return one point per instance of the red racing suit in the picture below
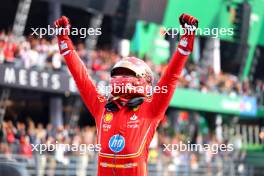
(125, 135)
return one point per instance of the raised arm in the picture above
(92, 99)
(160, 101)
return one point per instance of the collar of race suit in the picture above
(116, 103)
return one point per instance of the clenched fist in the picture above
(63, 26)
(62, 22)
(189, 24)
(187, 20)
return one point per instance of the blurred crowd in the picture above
(42, 53)
(20, 138)
(204, 79)
(185, 161)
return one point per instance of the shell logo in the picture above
(108, 117)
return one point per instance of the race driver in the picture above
(126, 121)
